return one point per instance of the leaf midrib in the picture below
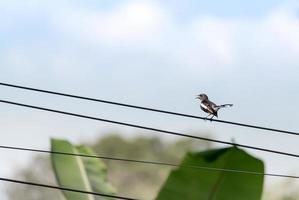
(84, 174)
(219, 179)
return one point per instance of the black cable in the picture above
(63, 188)
(151, 129)
(149, 109)
(148, 162)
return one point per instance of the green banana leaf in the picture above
(199, 184)
(80, 173)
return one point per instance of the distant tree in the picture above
(145, 180)
(286, 189)
(39, 170)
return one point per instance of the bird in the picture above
(210, 107)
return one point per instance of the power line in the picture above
(151, 129)
(63, 188)
(149, 109)
(149, 162)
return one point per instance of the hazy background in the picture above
(151, 53)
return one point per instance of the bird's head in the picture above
(202, 97)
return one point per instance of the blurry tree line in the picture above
(131, 179)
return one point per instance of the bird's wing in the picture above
(212, 104)
(208, 107)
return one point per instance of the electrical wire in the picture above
(64, 188)
(149, 109)
(152, 129)
(149, 162)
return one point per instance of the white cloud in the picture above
(284, 25)
(149, 30)
(16, 5)
(208, 42)
(146, 25)
(201, 43)
(126, 23)
(216, 36)
(269, 42)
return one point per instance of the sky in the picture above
(157, 54)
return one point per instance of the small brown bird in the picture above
(209, 107)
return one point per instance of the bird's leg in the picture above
(212, 117)
(207, 117)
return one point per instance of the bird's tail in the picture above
(224, 106)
